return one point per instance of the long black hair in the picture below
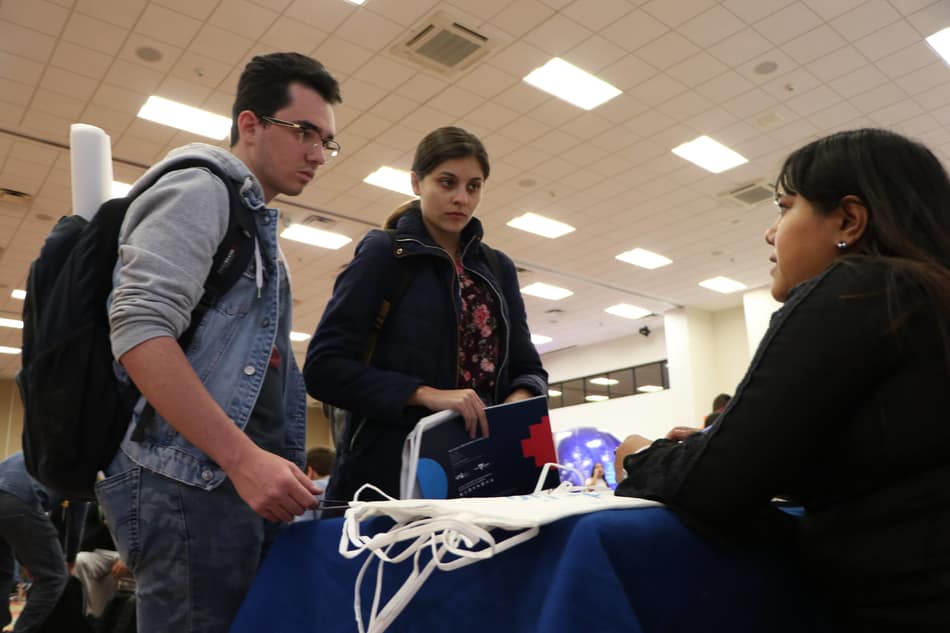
(907, 195)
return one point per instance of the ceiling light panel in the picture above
(540, 225)
(546, 291)
(315, 237)
(627, 311)
(644, 258)
(392, 179)
(940, 42)
(568, 82)
(710, 155)
(723, 285)
(187, 118)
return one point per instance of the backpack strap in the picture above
(228, 264)
(390, 299)
(491, 256)
(403, 278)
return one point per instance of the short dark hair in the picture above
(720, 401)
(321, 459)
(264, 85)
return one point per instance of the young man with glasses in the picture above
(196, 493)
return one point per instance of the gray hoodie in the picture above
(167, 243)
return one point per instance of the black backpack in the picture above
(76, 410)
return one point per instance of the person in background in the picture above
(319, 465)
(458, 338)
(718, 406)
(194, 503)
(98, 566)
(597, 477)
(844, 406)
(27, 533)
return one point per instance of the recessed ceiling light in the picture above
(627, 311)
(540, 339)
(299, 336)
(546, 291)
(315, 237)
(649, 388)
(358, 2)
(120, 189)
(644, 258)
(554, 393)
(723, 285)
(187, 118)
(18, 294)
(596, 398)
(709, 154)
(940, 41)
(540, 225)
(9, 350)
(14, 323)
(606, 382)
(393, 179)
(567, 81)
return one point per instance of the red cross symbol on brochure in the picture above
(540, 445)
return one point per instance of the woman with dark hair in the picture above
(844, 407)
(454, 332)
(597, 479)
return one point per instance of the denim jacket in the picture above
(166, 246)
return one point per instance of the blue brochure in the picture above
(440, 460)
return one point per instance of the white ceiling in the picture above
(686, 67)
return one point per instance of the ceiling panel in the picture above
(763, 76)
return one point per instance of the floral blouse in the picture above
(478, 335)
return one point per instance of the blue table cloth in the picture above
(618, 570)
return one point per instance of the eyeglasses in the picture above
(307, 135)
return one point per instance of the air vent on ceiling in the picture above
(14, 197)
(442, 44)
(751, 194)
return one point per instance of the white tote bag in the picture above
(456, 532)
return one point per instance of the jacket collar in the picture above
(410, 225)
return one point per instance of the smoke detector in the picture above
(442, 44)
(750, 195)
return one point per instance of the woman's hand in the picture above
(680, 433)
(465, 402)
(631, 444)
(519, 394)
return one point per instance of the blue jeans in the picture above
(193, 553)
(26, 531)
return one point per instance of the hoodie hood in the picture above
(231, 164)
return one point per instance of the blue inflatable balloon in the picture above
(583, 447)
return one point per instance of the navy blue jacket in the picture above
(418, 344)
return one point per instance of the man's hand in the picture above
(465, 402)
(273, 486)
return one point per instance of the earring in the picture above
(842, 245)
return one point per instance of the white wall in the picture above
(648, 414)
(627, 351)
(758, 306)
(706, 355)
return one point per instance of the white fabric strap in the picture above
(456, 532)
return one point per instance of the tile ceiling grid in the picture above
(686, 67)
